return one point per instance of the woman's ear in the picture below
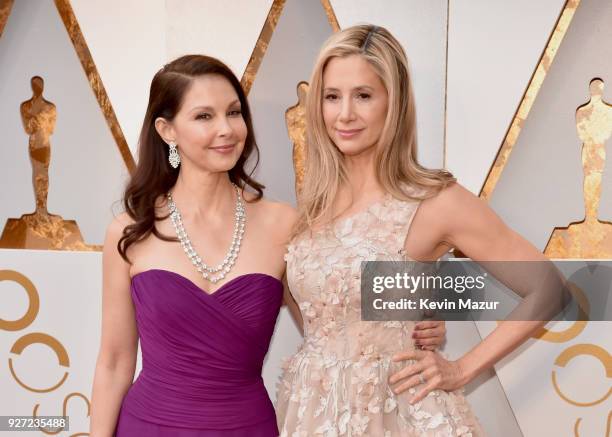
(164, 129)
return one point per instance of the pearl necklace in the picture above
(212, 274)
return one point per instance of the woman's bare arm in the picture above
(466, 222)
(285, 223)
(292, 306)
(119, 343)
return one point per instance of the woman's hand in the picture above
(428, 369)
(429, 335)
(481, 235)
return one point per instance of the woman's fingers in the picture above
(410, 354)
(429, 335)
(430, 370)
(425, 333)
(406, 372)
(431, 341)
(437, 333)
(428, 324)
(422, 377)
(421, 393)
(430, 331)
(424, 360)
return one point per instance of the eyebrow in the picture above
(357, 88)
(210, 108)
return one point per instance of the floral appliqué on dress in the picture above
(336, 384)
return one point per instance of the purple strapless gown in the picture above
(202, 356)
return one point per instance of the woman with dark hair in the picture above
(204, 314)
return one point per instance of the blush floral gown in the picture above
(336, 384)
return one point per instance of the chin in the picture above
(352, 149)
(226, 165)
(224, 162)
(219, 165)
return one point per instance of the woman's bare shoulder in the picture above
(276, 205)
(454, 198)
(116, 227)
(278, 211)
(277, 217)
(456, 210)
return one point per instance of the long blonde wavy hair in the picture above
(397, 169)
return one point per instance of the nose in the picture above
(224, 127)
(346, 111)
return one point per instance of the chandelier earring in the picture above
(173, 156)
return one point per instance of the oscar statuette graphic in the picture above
(591, 237)
(295, 118)
(40, 229)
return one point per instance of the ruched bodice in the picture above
(202, 354)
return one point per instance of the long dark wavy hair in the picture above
(153, 176)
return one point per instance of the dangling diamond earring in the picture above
(174, 157)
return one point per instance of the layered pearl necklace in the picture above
(212, 274)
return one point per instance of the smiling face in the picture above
(354, 104)
(208, 129)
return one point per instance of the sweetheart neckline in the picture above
(186, 279)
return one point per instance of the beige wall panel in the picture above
(226, 30)
(541, 185)
(127, 41)
(494, 48)
(68, 287)
(526, 376)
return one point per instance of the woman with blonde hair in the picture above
(365, 197)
